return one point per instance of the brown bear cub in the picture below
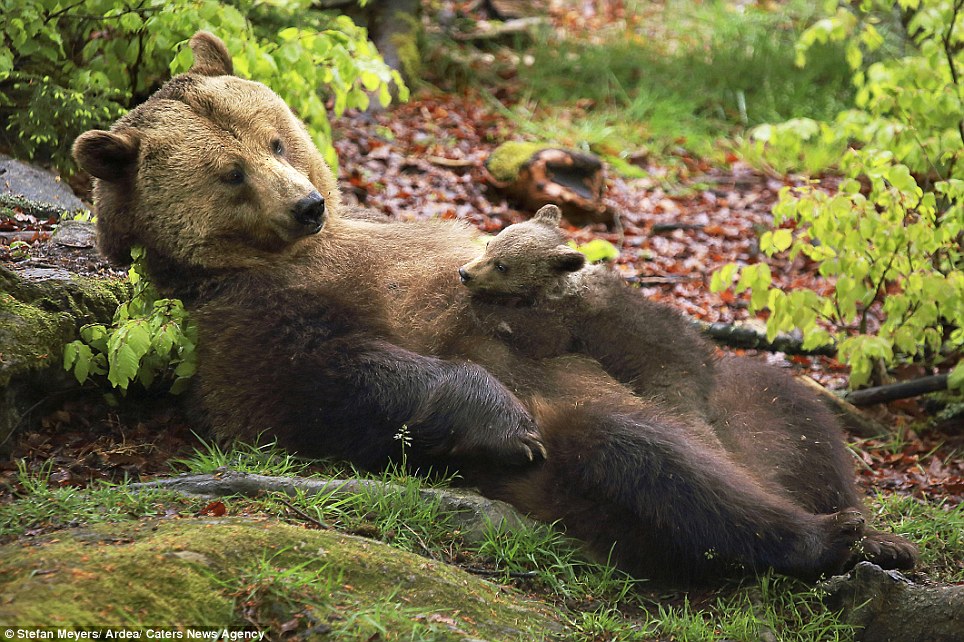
(333, 333)
(536, 293)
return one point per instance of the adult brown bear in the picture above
(333, 334)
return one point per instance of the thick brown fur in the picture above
(335, 334)
(537, 294)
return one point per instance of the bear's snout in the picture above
(310, 211)
(464, 275)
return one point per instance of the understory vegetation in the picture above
(593, 601)
(869, 129)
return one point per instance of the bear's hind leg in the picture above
(694, 510)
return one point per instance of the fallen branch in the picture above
(853, 419)
(472, 513)
(736, 336)
(894, 391)
(495, 30)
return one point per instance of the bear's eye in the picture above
(277, 147)
(233, 177)
(500, 267)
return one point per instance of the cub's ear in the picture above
(567, 259)
(548, 215)
(108, 156)
(211, 57)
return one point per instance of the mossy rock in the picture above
(226, 572)
(40, 311)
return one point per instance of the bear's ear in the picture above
(211, 57)
(548, 215)
(108, 156)
(566, 259)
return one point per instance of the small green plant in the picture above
(889, 239)
(261, 459)
(19, 250)
(150, 339)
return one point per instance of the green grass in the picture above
(42, 506)
(262, 459)
(937, 529)
(714, 72)
(598, 602)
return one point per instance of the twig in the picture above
(894, 391)
(745, 337)
(320, 524)
(454, 163)
(659, 228)
(474, 570)
(946, 41)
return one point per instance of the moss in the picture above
(506, 160)
(178, 572)
(38, 318)
(406, 43)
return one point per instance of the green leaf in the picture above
(955, 380)
(598, 250)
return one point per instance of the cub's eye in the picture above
(277, 146)
(500, 267)
(233, 177)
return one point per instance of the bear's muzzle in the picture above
(310, 212)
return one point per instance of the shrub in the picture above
(66, 67)
(890, 237)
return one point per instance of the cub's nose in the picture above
(310, 210)
(464, 276)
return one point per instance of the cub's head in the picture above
(524, 259)
(211, 172)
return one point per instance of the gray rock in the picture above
(887, 607)
(75, 234)
(17, 177)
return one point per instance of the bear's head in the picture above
(212, 172)
(523, 260)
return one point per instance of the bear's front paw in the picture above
(842, 532)
(528, 443)
(886, 550)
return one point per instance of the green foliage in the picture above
(889, 239)
(66, 67)
(150, 339)
(597, 250)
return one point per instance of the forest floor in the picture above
(686, 217)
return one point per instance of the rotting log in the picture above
(537, 174)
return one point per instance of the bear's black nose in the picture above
(464, 276)
(310, 210)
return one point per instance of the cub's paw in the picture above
(886, 550)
